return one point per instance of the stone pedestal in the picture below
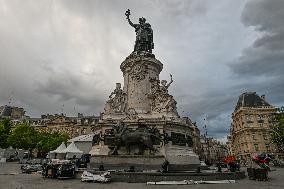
(181, 158)
(148, 112)
(175, 145)
(121, 162)
(138, 72)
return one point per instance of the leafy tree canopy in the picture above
(277, 130)
(24, 136)
(50, 141)
(5, 129)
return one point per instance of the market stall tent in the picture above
(72, 151)
(58, 152)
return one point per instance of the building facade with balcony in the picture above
(250, 128)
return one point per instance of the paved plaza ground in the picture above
(10, 178)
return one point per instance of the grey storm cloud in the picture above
(262, 63)
(69, 52)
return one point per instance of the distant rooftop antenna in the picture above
(10, 98)
(62, 109)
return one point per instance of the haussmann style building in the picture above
(72, 126)
(250, 128)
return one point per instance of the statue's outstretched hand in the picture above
(127, 13)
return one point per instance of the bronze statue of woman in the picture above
(144, 34)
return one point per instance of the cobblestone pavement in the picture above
(10, 178)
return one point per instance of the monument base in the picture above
(143, 177)
(137, 177)
(181, 158)
(175, 147)
(143, 163)
(124, 162)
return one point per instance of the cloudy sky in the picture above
(55, 52)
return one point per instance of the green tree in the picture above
(277, 129)
(24, 136)
(50, 141)
(5, 129)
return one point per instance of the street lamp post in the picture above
(206, 139)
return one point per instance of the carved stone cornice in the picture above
(128, 63)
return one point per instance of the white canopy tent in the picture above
(72, 151)
(58, 152)
(59, 149)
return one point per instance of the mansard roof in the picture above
(251, 99)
